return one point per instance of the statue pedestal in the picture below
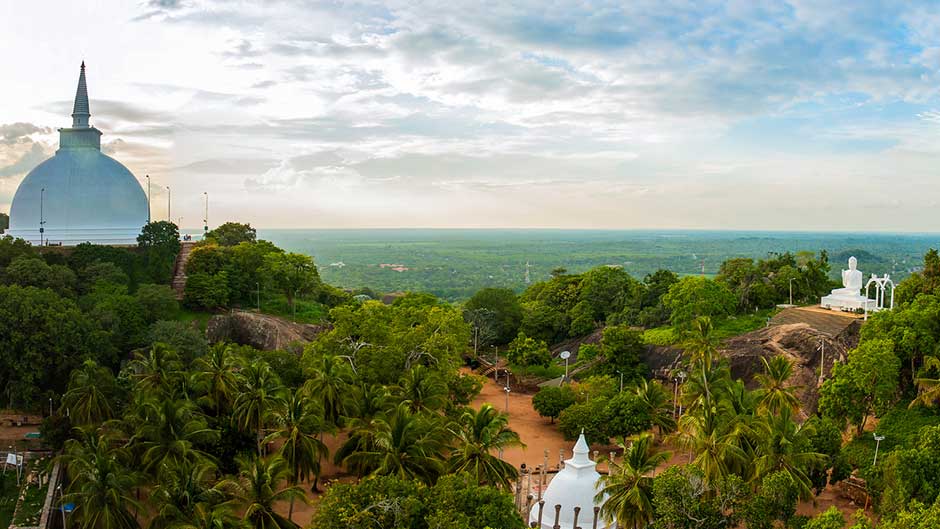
(848, 302)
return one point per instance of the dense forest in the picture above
(159, 428)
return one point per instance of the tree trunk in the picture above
(290, 510)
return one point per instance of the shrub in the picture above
(525, 351)
(587, 416)
(626, 415)
(551, 401)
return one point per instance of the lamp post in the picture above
(791, 291)
(205, 219)
(565, 355)
(878, 440)
(169, 196)
(50, 406)
(42, 219)
(507, 390)
(621, 380)
(148, 199)
(496, 365)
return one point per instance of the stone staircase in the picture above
(179, 268)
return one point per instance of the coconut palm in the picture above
(370, 401)
(782, 447)
(259, 486)
(774, 394)
(422, 389)
(88, 395)
(166, 432)
(329, 382)
(403, 444)
(477, 434)
(626, 491)
(259, 392)
(658, 403)
(701, 347)
(157, 371)
(183, 498)
(712, 436)
(215, 378)
(102, 484)
(299, 422)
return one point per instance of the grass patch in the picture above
(548, 373)
(900, 426)
(304, 311)
(31, 508)
(662, 336)
(742, 323)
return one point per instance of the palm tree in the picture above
(101, 483)
(658, 403)
(929, 388)
(157, 371)
(260, 392)
(627, 490)
(713, 437)
(215, 377)
(477, 435)
(370, 401)
(403, 444)
(258, 488)
(167, 432)
(299, 424)
(422, 389)
(183, 498)
(329, 382)
(783, 448)
(701, 347)
(774, 394)
(87, 397)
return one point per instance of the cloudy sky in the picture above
(642, 114)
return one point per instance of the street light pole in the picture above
(621, 380)
(205, 220)
(791, 291)
(169, 197)
(496, 368)
(42, 219)
(878, 440)
(565, 355)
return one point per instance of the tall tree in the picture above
(867, 382)
(258, 487)
(626, 491)
(101, 483)
(477, 434)
(298, 424)
(405, 444)
(260, 392)
(774, 394)
(291, 273)
(90, 393)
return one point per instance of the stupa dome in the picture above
(80, 194)
(574, 486)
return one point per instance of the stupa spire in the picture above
(80, 112)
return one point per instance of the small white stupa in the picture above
(574, 486)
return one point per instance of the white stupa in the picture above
(574, 486)
(80, 194)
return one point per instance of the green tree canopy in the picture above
(232, 233)
(694, 296)
(505, 307)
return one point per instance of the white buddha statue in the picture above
(850, 296)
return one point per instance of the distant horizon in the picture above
(650, 230)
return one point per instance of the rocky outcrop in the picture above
(807, 347)
(261, 331)
(804, 344)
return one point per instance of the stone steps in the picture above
(179, 268)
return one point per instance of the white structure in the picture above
(850, 298)
(574, 486)
(80, 194)
(881, 289)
